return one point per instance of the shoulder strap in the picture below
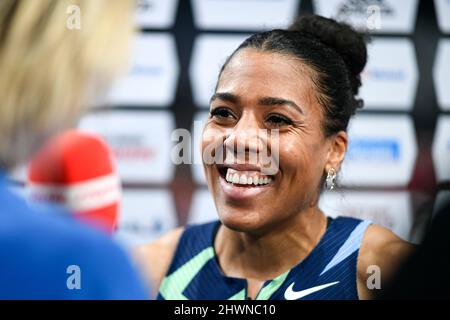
(351, 231)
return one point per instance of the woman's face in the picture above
(258, 95)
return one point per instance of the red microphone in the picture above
(77, 170)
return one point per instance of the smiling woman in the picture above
(288, 94)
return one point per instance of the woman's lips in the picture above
(244, 185)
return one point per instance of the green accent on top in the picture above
(238, 296)
(173, 285)
(267, 291)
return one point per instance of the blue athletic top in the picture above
(328, 272)
(40, 244)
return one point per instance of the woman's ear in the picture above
(337, 150)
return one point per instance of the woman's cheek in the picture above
(291, 155)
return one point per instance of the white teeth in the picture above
(233, 176)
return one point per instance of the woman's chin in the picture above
(241, 222)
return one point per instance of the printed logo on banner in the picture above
(391, 210)
(145, 216)
(390, 78)
(141, 143)
(373, 150)
(156, 13)
(197, 129)
(209, 54)
(244, 14)
(443, 14)
(441, 149)
(203, 209)
(153, 74)
(441, 74)
(382, 151)
(387, 16)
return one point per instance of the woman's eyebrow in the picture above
(265, 101)
(272, 101)
(225, 96)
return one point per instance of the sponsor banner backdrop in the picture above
(382, 151)
(390, 77)
(145, 216)
(387, 16)
(153, 74)
(244, 14)
(441, 149)
(156, 13)
(443, 14)
(179, 51)
(141, 143)
(391, 210)
(441, 74)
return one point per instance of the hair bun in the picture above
(348, 43)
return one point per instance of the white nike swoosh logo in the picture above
(290, 294)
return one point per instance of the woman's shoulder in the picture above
(381, 251)
(378, 243)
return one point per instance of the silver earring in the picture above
(330, 182)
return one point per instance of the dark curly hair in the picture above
(335, 52)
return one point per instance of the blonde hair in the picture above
(51, 68)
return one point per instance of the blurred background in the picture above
(399, 156)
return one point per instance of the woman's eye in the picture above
(221, 113)
(278, 120)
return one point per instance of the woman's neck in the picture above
(266, 256)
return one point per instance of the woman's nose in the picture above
(245, 137)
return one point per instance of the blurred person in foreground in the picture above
(48, 73)
(271, 240)
(424, 275)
